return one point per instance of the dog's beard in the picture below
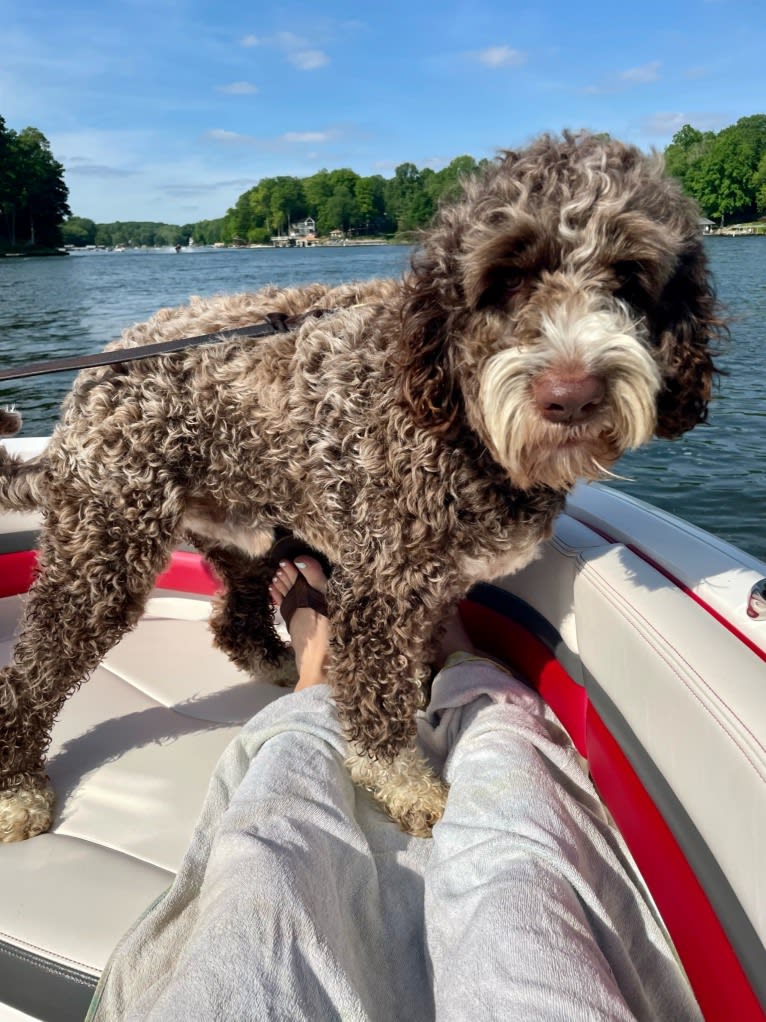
(536, 452)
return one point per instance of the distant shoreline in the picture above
(27, 252)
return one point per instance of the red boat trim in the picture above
(190, 573)
(187, 572)
(720, 983)
(684, 588)
(17, 570)
(485, 613)
(668, 849)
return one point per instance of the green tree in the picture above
(447, 183)
(407, 200)
(33, 195)
(369, 193)
(287, 203)
(7, 179)
(78, 230)
(338, 212)
(721, 170)
(239, 220)
(41, 189)
(724, 179)
(205, 232)
(759, 182)
(317, 189)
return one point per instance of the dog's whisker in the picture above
(609, 474)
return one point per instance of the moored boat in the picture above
(633, 625)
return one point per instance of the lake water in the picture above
(714, 476)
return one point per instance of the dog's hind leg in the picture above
(97, 566)
(243, 618)
(380, 647)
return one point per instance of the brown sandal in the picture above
(301, 594)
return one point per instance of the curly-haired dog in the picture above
(423, 435)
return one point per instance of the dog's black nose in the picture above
(568, 399)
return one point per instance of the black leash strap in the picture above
(276, 323)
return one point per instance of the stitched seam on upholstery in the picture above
(636, 613)
(674, 670)
(58, 968)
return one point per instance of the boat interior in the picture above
(632, 625)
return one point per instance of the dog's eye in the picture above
(513, 284)
(631, 283)
(501, 290)
(626, 272)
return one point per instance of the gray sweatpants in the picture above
(299, 900)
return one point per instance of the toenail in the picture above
(300, 564)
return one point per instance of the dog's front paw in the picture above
(26, 811)
(407, 788)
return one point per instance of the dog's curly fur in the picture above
(403, 434)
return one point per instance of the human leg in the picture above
(297, 899)
(534, 908)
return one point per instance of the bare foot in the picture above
(309, 631)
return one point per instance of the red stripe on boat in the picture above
(718, 980)
(190, 573)
(187, 572)
(503, 637)
(16, 572)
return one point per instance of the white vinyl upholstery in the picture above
(694, 697)
(130, 762)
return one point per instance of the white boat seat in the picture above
(130, 761)
(686, 700)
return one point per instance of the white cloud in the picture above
(275, 144)
(501, 56)
(308, 60)
(221, 135)
(667, 123)
(307, 136)
(297, 49)
(238, 89)
(290, 41)
(642, 75)
(78, 165)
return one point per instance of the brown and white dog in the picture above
(423, 435)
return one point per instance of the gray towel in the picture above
(298, 900)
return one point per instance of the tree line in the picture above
(724, 171)
(335, 199)
(344, 200)
(81, 231)
(33, 194)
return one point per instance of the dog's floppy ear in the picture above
(428, 388)
(687, 326)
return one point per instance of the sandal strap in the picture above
(302, 595)
(289, 547)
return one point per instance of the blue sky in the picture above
(169, 109)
